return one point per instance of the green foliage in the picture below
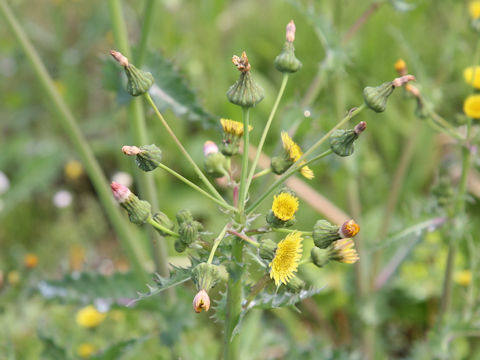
(115, 351)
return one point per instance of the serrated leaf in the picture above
(85, 288)
(271, 301)
(113, 352)
(220, 307)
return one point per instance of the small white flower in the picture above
(62, 199)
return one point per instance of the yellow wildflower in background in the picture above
(463, 278)
(294, 153)
(90, 317)
(284, 206)
(474, 9)
(468, 76)
(288, 254)
(400, 67)
(13, 277)
(471, 106)
(233, 127)
(30, 261)
(73, 170)
(85, 350)
(342, 251)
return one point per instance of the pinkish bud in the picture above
(290, 34)
(130, 150)
(360, 127)
(201, 301)
(209, 148)
(120, 192)
(122, 60)
(349, 229)
(402, 80)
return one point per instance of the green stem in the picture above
(246, 145)
(147, 25)
(244, 237)
(265, 130)
(182, 149)
(307, 260)
(129, 243)
(139, 134)
(283, 230)
(234, 302)
(262, 173)
(298, 163)
(318, 157)
(194, 186)
(217, 242)
(162, 228)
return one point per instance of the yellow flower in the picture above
(13, 277)
(294, 153)
(468, 76)
(233, 127)
(284, 206)
(73, 170)
(90, 317)
(342, 251)
(463, 278)
(474, 9)
(85, 350)
(30, 261)
(400, 67)
(287, 256)
(471, 106)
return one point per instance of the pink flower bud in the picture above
(360, 127)
(201, 301)
(402, 80)
(120, 192)
(290, 34)
(130, 150)
(122, 60)
(209, 148)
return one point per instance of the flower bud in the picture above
(324, 233)
(139, 81)
(184, 216)
(148, 156)
(232, 135)
(286, 62)
(201, 301)
(138, 210)
(376, 97)
(180, 246)
(267, 249)
(188, 232)
(245, 92)
(295, 284)
(215, 163)
(349, 229)
(342, 251)
(205, 276)
(163, 220)
(319, 256)
(341, 141)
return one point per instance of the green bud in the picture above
(245, 92)
(148, 157)
(163, 220)
(320, 257)
(341, 141)
(139, 81)
(184, 216)
(267, 249)
(286, 62)
(215, 163)
(295, 284)
(179, 246)
(139, 211)
(376, 97)
(205, 276)
(280, 164)
(324, 233)
(276, 222)
(188, 232)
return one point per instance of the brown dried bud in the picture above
(241, 62)
(131, 150)
(402, 80)
(360, 127)
(349, 229)
(290, 34)
(201, 301)
(122, 60)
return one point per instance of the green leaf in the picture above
(51, 350)
(85, 288)
(271, 301)
(170, 91)
(113, 352)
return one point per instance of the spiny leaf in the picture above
(116, 350)
(220, 307)
(270, 301)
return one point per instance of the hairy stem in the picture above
(246, 144)
(217, 242)
(162, 228)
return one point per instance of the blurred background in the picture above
(60, 254)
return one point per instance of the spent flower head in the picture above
(287, 256)
(201, 301)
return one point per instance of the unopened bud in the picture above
(139, 211)
(209, 148)
(376, 97)
(139, 81)
(319, 256)
(402, 80)
(245, 92)
(324, 233)
(342, 141)
(184, 216)
(215, 163)
(163, 220)
(122, 60)
(201, 301)
(205, 276)
(120, 192)
(290, 32)
(286, 62)
(180, 246)
(360, 127)
(349, 229)
(130, 150)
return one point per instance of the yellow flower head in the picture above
(85, 350)
(73, 170)
(474, 9)
(471, 106)
(287, 256)
(90, 317)
(463, 278)
(400, 67)
(30, 261)
(470, 79)
(342, 251)
(294, 153)
(284, 206)
(233, 127)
